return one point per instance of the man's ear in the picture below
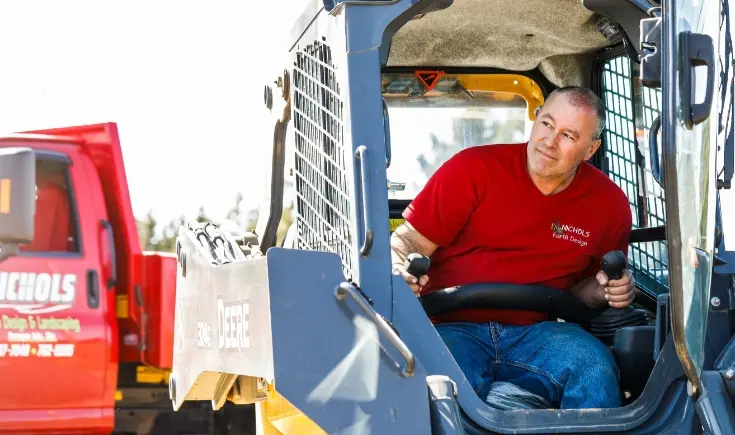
(593, 149)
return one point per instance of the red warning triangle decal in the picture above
(429, 78)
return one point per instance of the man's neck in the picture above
(552, 185)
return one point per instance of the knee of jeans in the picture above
(589, 355)
(597, 359)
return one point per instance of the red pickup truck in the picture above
(86, 317)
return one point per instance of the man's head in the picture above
(566, 132)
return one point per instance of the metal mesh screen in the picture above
(321, 179)
(631, 109)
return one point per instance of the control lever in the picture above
(613, 264)
(417, 265)
(610, 320)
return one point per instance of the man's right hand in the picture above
(413, 282)
(404, 241)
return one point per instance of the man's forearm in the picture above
(590, 293)
(406, 240)
(401, 246)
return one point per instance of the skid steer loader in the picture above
(370, 98)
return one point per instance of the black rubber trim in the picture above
(512, 297)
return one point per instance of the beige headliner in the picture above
(494, 33)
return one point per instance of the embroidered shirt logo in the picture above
(569, 232)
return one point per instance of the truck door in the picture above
(53, 342)
(690, 136)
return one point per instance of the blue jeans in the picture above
(558, 361)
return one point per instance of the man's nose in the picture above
(552, 139)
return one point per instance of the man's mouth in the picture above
(545, 154)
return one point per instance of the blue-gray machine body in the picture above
(322, 320)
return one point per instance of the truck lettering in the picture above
(16, 323)
(233, 325)
(37, 287)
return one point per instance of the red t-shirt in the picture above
(493, 225)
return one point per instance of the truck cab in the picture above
(59, 347)
(87, 316)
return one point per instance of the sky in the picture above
(183, 80)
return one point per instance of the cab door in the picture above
(54, 342)
(690, 136)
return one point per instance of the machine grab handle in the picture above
(346, 288)
(367, 243)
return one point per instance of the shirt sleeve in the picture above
(445, 204)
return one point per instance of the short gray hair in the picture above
(579, 96)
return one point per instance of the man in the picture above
(527, 213)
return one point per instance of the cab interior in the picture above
(468, 75)
(470, 72)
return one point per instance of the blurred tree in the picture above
(469, 129)
(154, 237)
(202, 216)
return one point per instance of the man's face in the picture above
(561, 138)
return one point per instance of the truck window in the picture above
(55, 220)
(462, 111)
(631, 109)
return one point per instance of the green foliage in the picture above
(471, 128)
(162, 238)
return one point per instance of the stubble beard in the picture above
(549, 172)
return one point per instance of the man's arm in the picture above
(407, 240)
(598, 291)
(440, 211)
(590, 292)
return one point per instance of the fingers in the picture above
(413, 280)
(628, 296)
(625, 300)
(416, 287)
(415, 284)
(623, 281)
(620, 293)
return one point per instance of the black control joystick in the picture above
(417, 264)
(612, 319)
(613, 264)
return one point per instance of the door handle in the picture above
(112, 282)
(386, 133)
(697, 50)
(653, 150)
(93, 289)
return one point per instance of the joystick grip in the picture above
(613, 264)
(417, 264)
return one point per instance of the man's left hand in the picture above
(618, 292)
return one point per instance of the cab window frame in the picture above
(534, 75)
(642, 237)
(65, 163)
